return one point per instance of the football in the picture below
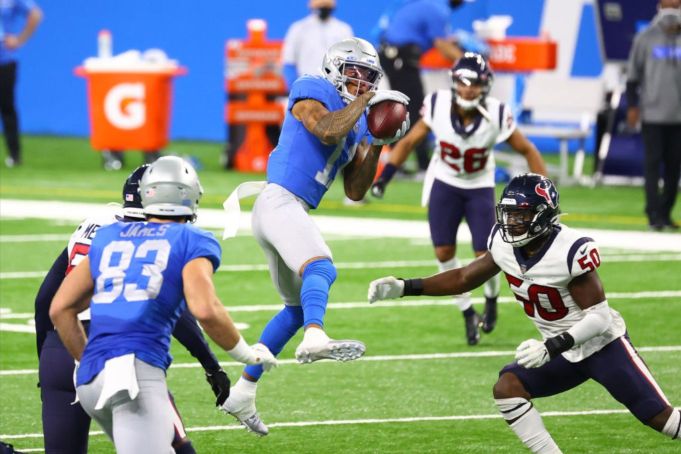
(385, 118)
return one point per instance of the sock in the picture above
(388, 173)
(185, 448)
(673, 426)
(277, 333)
(245, 386)
(463, 301)
(314, 294)
(527, 424)
(315, 336)
(492, 287)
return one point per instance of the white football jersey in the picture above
(463, 156)
(80, 242)
(540, 285)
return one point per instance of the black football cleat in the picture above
(489, 317)
(472, 321)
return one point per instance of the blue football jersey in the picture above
(137, 272)
(301, 162)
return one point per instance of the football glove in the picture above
(265, 357)
(388, 95)
(532, 353)
(398, 135)
(385, 288)
(378, 189)
(219, 383)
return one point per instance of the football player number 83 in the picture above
(114, 272)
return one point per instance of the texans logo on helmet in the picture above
(542, 189)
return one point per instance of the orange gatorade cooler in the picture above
(129, 109)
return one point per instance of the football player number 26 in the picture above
(474, 159)
(552, 308)
(110, 283)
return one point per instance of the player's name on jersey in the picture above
(139, 230)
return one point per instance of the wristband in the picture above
(412, 287)
(242, 352)
(559, 344)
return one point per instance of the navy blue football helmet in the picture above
(132, 201)
(528, 209)
(471, 69)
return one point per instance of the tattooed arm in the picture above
(360, 172)
(330, 127)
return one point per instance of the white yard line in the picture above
(380, 358)
(386, 264)
(342, 422)
(330, 225)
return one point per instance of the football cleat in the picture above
(489, 317)
(337, 350)
(242, 407)
(472, 323)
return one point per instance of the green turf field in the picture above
(419, 389)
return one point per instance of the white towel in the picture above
(119, 375)
(233, 208)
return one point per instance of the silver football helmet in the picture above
(170, 187)
(352, 60)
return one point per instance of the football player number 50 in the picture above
(114, 272)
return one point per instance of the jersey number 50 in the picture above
(115, 274)
(532, 303)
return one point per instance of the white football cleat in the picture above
(242, 406)
(317, 345)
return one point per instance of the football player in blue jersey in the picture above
(65, 424)
(324, 133)
(136, 279)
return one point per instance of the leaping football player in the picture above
(552, 270)
(324, 134)
(460, 180)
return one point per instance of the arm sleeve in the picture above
(188, 333)
(427, 109)
(288, 52)
(290, 74)
(596, 321)
(437, 24)
(635, 72)
(506, 123)
(43, 299)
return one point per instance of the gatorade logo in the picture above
(124, 106)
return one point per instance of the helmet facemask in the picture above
(519, 225)
(364, 78)
(471, 70)
(352, 61)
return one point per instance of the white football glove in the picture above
(398, 135)
(532, 353)
(389, 95)
(265, 357)
(255, 354)
(385, 288)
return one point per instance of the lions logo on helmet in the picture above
(528, 209)
(471, 69)
(352, 61)
(170, 187)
